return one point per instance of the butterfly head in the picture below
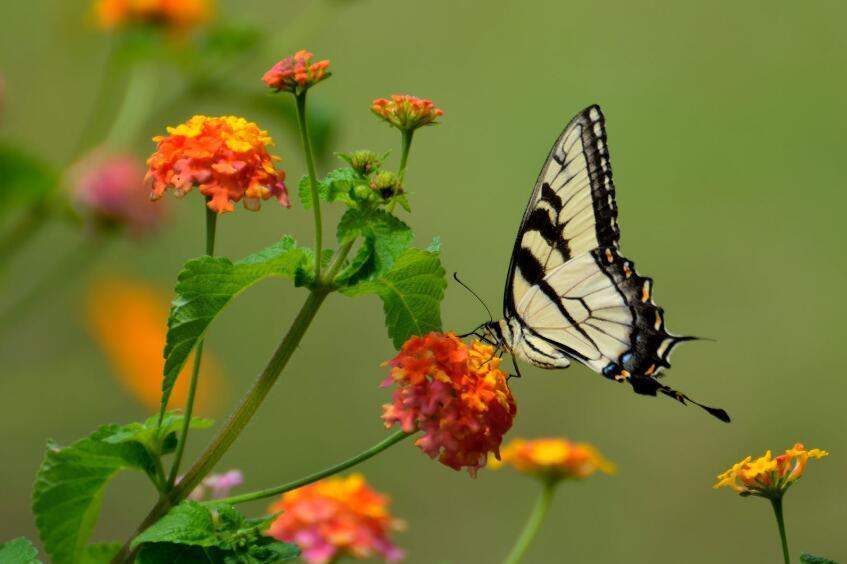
(497, 333)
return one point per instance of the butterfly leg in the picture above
(517, 373)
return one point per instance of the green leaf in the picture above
(24, 178)
(214, 532)
(69, 488)
(18, 551)
(334, 187)
(411, 293)
(806, 558)
(385, 239)
(100, 553)
(157, 439)
(205, 286)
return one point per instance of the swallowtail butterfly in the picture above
(570, 294)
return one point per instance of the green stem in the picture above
(138, 99)
(27, 226)
(211, 228)
(238, 420)
(780, 521)
(390, 440)
(534, 524)
(313, 178)
(405, 145)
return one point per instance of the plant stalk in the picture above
(313, 178)
(237, 421)
(211, 229)
(780, 521)
(390, 440)
(532, 526)
(405, 145)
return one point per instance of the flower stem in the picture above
(237, 421)
(780, 521)
(405, 145)
(136, 104)
(313, 178)
(390, 440)
(211, 228)
(533, 525)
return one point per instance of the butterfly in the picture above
(570, 294)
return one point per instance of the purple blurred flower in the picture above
(217, 486)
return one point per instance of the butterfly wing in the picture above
(568, 287)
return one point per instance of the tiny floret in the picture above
(768, 476)
(406, 113)
(225, 157)
(553, 459)
(296, 73)
(455, 394)
(337, 518)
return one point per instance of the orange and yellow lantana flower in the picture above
(337, 517)
(768, 476)
(172, 14)
(226, 157)
(406, 113)
(554, 459)
(455, 394)
(296, 73)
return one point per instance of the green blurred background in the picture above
(726, 124)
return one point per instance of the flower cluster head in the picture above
(456, 394)
(172, 14)
(386, 184)
(217, 486)
(107, 190)
(296, 73)
(554, 459)
(226, 157)
(363, 161)
(406, 113)
(768, 476)
(337, 517)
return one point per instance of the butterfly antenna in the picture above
(474, 294)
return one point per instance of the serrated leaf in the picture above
(411, 293)
(18, 551)
(205, 286)
(69, 488)
(334, 187)
(157, 438)
(100, 553)
(24, 178)
(217, 532)
(806, 558)
(386, 238)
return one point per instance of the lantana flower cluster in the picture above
(406, 113)
(173, 14)
(226, 157)
(768, 476)
(337, 517)
(554, 459)
(107, 190)
(455, 394)
(296, 73)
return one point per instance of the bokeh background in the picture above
(726, 123)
